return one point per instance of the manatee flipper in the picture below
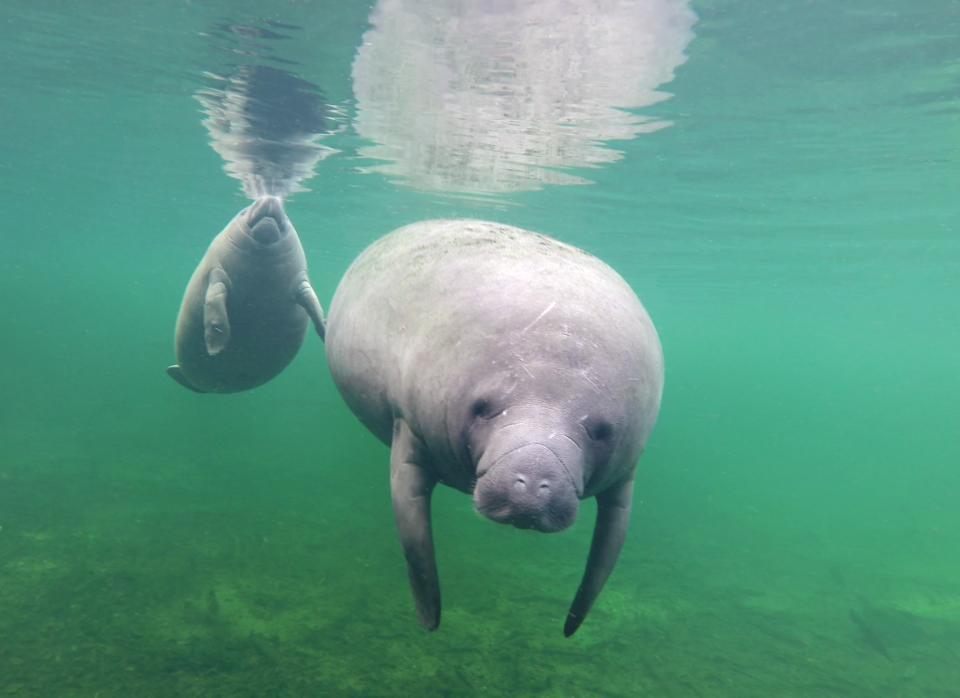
(411, 486)
(613, 518)
(216, 324)
(307, 298)
(177, 375)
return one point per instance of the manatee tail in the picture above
(177, 375)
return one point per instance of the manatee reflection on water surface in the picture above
(503, 95)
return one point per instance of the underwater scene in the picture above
(777, 182)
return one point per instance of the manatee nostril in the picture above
(520, 485)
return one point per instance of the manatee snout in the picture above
(266, 220)
(528, 487)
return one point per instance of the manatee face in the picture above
(535, 452)
(528, 487)
(265, 221)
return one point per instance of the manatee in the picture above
(248, 305)
(504, 364)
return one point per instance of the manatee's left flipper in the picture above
(216, 324)
(613, 519)
(411, 485)
(307, 297)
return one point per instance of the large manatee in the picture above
(504, 364)
(248, 305)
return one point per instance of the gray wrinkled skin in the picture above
(504, 364)
(248, 305)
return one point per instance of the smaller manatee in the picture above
(247, 307)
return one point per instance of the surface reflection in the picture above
(494, 96)
(264, 121)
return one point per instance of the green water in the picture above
(795, 236)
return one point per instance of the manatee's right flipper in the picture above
(216, 324)
(177, 375)
(411, 485)
(613, 519)
(307, 298)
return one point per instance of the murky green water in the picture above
(793, 234)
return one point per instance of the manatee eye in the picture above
(598, 430)
(481, 408)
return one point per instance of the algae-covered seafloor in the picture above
(793, 235)
(253, 572)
